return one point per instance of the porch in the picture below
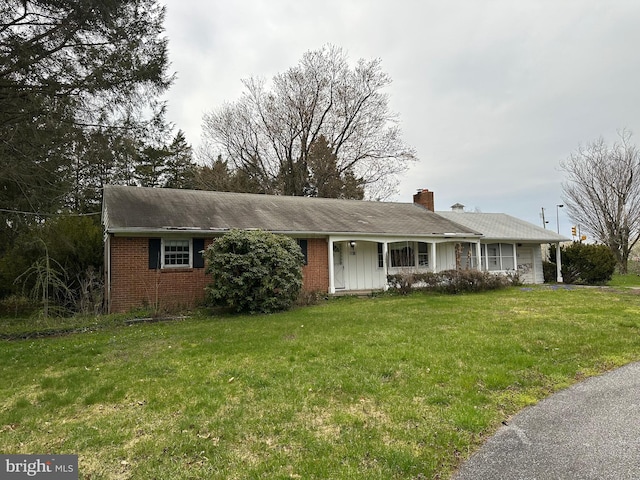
(363, 264)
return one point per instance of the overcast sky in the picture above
(491, 94)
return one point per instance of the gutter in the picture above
(139, 231)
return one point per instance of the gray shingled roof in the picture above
(500, 226)
(141, 210)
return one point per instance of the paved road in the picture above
(589, 431)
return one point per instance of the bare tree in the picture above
(602, 193)
(268, 133)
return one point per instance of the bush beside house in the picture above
(254, 271)
(583, 264)
(450, 281)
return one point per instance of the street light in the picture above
(558, 249)
(558, 207)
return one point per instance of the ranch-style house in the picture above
(154, 239)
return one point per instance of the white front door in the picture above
(338, 266)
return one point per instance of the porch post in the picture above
(385, 263)
(515, 257)
(558, 264)
(432, 255)
(332, 287)
(478, 256)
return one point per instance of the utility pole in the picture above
(544, 222)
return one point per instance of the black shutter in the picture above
(154, 253)
(198, 258)
(303, 247)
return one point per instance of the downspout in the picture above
(558, 264)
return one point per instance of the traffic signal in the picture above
(573, 231)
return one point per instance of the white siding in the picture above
(361, 267)
(526, 266)
(530, 263)
(537, 261)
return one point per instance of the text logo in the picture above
(49, 467)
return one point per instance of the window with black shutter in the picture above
(168, 253)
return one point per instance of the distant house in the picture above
(154, 240)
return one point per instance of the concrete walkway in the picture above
(588, 431)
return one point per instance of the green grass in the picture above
(376, 388)
(626, 280)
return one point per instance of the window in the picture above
(493, 256)
(402, 255)
(506, 254)
(423, 254)
(176, 253)
(468, 258)
(499, 256)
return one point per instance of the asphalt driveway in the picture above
(588, 431)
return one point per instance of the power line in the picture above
(6, 210)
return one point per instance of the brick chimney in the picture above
(425, 198)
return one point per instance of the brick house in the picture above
(154, 239)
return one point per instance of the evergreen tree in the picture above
(72, 73)
(179, 167)
(78, 88)
(219, 176)
(325, 177)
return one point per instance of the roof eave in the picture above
(525, 240)
(218, 231)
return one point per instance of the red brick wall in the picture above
(315, 273)
(135, 285)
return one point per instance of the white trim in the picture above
(385, 263)
(163, 254)
(433, 257)
(107, 270)
(559, 278)
(332, 283)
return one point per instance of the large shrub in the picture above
(62, 255)
(587, 264)
(549, 271)
(254, 271)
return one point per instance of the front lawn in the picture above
(626, 280)
(375, 388)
